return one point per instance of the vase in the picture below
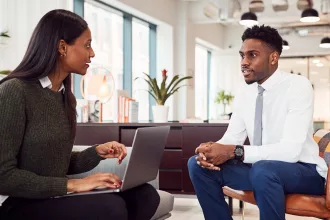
(160, 113)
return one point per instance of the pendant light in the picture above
(309, 15)
(249, 19)
(325, 42)
(285, 45)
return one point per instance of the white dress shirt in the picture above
(45, 83)
(287, 122)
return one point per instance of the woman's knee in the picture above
(111, 206)
(151, 193)
(142, 202)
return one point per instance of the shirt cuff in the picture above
(251, 154)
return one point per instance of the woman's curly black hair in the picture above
(267, 34)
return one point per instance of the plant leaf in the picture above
(154, 82)
(5, 72)
(162, 87)
(176, 77)
(152, 95)
(171, 93)
(180, 80)
(149, 83)
(153, 85)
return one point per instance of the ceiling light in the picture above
(316, 61)
(319, 64)
(249, 19)
(285, 45)
(309, 15)
(325, 42)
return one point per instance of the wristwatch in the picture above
(239, 152)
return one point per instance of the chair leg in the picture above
(230, 204)
(243, 211)
(240, 204)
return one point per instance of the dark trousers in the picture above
(139, 203)
(269, 180)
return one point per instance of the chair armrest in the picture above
(109, 166)
(327, 189)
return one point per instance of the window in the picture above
(125, 45)
(202, 68)
(140, 65)
(107, 39)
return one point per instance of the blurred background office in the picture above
(198, 38)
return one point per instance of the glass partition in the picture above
(317, 70)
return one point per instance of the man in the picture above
(274, 110)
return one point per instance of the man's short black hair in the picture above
(267, 34)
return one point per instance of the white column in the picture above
(184, 62)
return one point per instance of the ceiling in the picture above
(292, 15)
(226, 16)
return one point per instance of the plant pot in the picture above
(160, 113)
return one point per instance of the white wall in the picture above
(212, 34)
(162, 10)
(20, 17)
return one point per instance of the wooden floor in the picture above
(186, 207)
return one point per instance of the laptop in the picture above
(147, 150)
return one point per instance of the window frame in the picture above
(78, 8)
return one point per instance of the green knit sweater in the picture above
(36, 142)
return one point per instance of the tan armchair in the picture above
(299, 204)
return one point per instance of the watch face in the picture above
(239, 152)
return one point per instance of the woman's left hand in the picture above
(112, 149)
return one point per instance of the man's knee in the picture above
(193, 167)
(262, 173)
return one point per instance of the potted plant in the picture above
(225, 99)
(4, 37)
(162, 92)
(4, 73)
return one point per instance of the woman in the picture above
(37, 130)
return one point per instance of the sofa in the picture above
(110, 165)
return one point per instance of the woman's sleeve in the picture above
(84, 161)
